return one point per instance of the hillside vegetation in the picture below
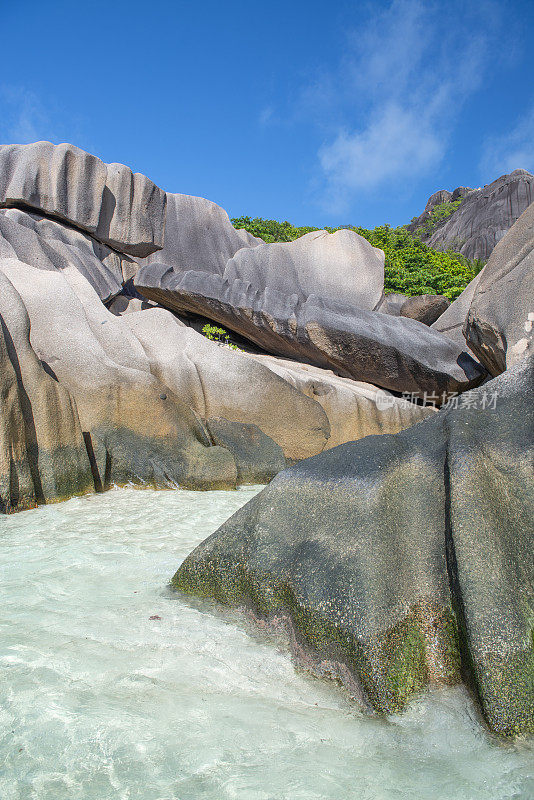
(411, 267)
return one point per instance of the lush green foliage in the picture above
(411, 267)
(439, 213)
(216, 334)
(270, 230)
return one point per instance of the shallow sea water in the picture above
(99, 702)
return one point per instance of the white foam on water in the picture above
(99, 702)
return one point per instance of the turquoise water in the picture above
(100, 702)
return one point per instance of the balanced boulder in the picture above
(395, 353)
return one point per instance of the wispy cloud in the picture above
(406, 74)
(27, 117)
(23, 116)
(513, 150)
(266, 116)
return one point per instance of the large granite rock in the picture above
(354, 409)
(400, 561)
(340, 267)
(50, 245)
(199, 235)
(392, 352)
(219, 383)
(44, 458)
(482, 218)
(17, 491)
(500, 320)
(257, 457)
(136, 429)
(451, 322)
(336, 267)
(425, 308)
(125, 210)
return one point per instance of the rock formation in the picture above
(397, 560)
(122, 209)
(137, 430)
(481, 219)
(500, 320)
(392, 352)
(199, 235)
(451, 322)
(44, 456)
(219, 383)
(400, 561)
(354, 409)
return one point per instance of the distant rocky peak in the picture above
(474, 225)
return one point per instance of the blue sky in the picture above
(321, 113)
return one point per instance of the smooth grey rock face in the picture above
(122, 304)
(392, 352)
(354, 409)
(392, 304)
(451, 322)
(383, 555)
(425, 308)
(199, 235)
(258, 459)
(51, 245)
(339, 267)
(500, 321)
(483, 217)
(39, 419)
(139, 431)
(219, 383)
(116, 206)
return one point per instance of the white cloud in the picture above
(407, 73)
(23, 115)
(513, 150)
(266, 116)
(395, 143)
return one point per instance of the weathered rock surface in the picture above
(451, 322)
(425, 308)
(258, 458)
(138, 431)
(392, 352)
(17, 491)
(199, 235)
(392, 304)
(354, 409)
(482, 218)
(50, 245)
(219, 383)
(44, 455)
(340, 267)
(122, 304)
(400, 561)
(116, 206)
(500, 320)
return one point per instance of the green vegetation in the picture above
(439, 213)
(411, 266)
(215, 334)
(270, 230)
